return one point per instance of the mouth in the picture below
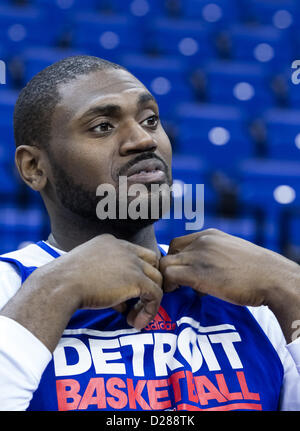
(146, 171)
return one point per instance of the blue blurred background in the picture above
(221, 72)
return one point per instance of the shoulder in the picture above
(268, 322)
(31, 255)
(271, 327)
(10, 274)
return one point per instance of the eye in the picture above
(151, 121)
(102, 127)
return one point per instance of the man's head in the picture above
(82, 122)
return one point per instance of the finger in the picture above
(147, 307)
(169, 260)
(139, 316)
(181, 258)
(177, 275)
(152, 273)
(179, 243)
(144, 253)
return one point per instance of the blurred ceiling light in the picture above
(139, 7)
(212, 12)
(188, 46)
(17, 32)
(284, 194)
(263, 52)
(161, 85)
(64, 4)
(297, 141)
(109, 40)
(218, 135)
(243, 91)
(282, 19)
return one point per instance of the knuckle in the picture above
(163, 263)
(160, 279)
(173, 246)
(204, 240)
(153, 258)
(212, 231)
(106, 236)
(173, 241)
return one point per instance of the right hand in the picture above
(106, 272)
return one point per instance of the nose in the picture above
(136, 140)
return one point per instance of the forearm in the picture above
(44, 304)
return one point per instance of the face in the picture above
(106, 126)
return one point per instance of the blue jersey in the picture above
(198, 353)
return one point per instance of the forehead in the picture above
(112, 85)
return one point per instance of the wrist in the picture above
(283, 296)
(56, 281)
(283, 284)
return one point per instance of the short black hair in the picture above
(37, 100)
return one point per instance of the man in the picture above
(129, 327)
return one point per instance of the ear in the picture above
(30, 163)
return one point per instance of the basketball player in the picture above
(98, 316)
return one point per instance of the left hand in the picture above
(224, 266)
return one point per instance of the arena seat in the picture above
(18, 227)
(139, 8)
(22, 25)
(243, 227)
(7, 147)
(35, 59)
(269, 188)
(8, 99)
(293, 230)
(244, 84)
(270, 184)
(193, 170)
(165, 77)
(218, 12)
(8, 184)
(291, 78)
(259, 43)
(283, 133)
(69, 5)
(266, 12)
(104, 35)
(216, 133)
(189, 39)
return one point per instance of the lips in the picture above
(150, 170)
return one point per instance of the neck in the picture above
(66, 235)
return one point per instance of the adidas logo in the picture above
(161, 321)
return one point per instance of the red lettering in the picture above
(135, 394)
(245, 391)
(174, 380)
(155, 395)
(191, 387)
(203, 382)
(95, 385)
(119, 398)
(67, 389)
(224, 389)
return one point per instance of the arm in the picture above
(102, 273)
(237, 271)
